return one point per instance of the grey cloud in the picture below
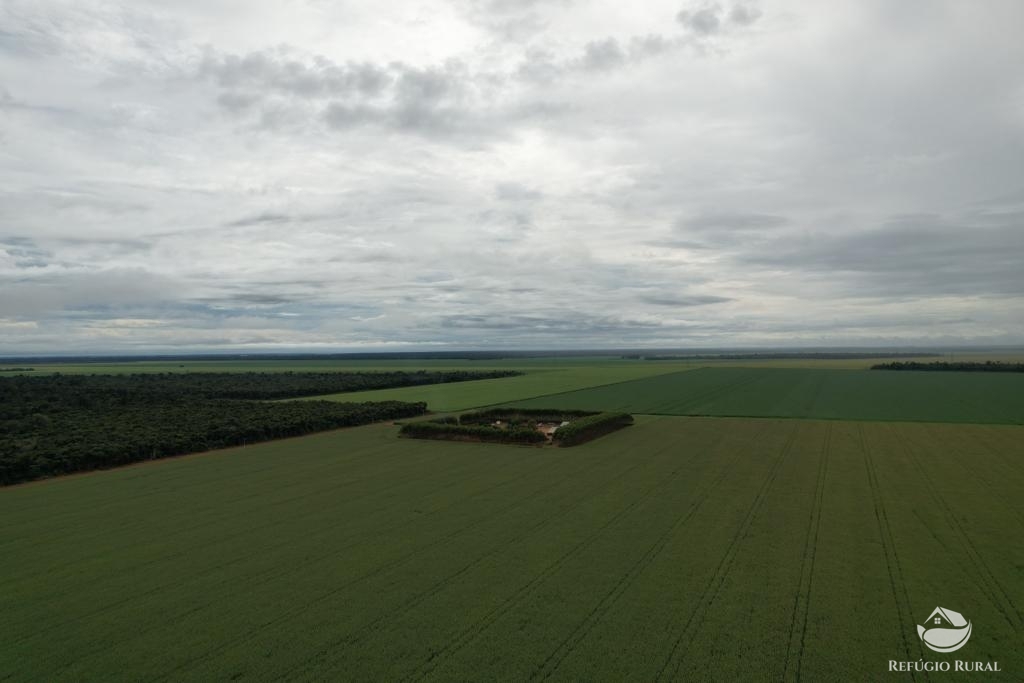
(278, 70)
(261, 299)
(705, 21)
(259, 219)
(602, 55)
(744, 15)
(570, 323)
(730, 221)
(721, 229)
(914, 255)
(683, 301)
(104, 289)
(511, 20)
(341, 117)
(23, 252)
(516, 192)
(711, 19)
(237, 102)
(544, 177)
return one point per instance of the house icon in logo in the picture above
(945, 630)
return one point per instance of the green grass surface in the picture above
(477, 393)
(679, 548)
(831, 394)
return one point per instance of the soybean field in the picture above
(809, 393)
(680, 548)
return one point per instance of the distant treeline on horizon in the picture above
(706, 353)
(958, 366)
(784, 355)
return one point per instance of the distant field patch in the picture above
(831, 394)
(488, 392)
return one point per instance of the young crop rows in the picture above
(967, 397)
(678, 549)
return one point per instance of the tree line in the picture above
(58, 424)
(239, 385)
(951, 366)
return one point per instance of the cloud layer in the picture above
(473, 173)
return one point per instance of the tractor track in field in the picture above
(470, 633)
(989, 584)
(807, 567)
(892, 561)
(355, 539)
(410, 604)
(718, 576)
(570, 642)
(365, 576)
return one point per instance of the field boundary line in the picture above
(570, 391)
(718, 576)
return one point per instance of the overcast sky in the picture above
(332, 175)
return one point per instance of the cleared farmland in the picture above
(810, 393)
(679, 548)
(537, 382)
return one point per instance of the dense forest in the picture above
(56, 424)
(243, 385)
(950, 366)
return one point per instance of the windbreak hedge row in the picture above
(522, 415)
(590, 427)
(455, 432)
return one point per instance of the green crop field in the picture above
(812, 393)
(679, 548)
(536, 382)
